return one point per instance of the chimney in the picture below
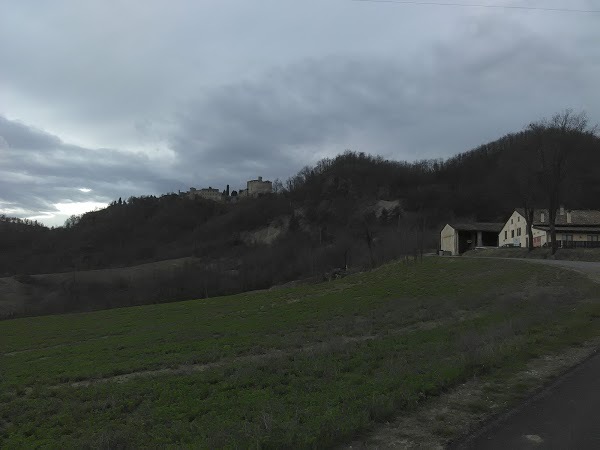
(561, 210)
(569, 218)
(227, 191)
(542, 217)
(259, 178)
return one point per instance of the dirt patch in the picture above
(191, 368)
(266, 235)
(11, 297)
(459, 412)
(68, 344)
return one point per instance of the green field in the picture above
(301, 367)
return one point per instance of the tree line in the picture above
(328, 214)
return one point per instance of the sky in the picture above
(108, 99)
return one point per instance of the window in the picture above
(569, 237)
(593, 238)
(512, 233)
(518, 218)
(518, 232)
(505, 235)
(512, 221)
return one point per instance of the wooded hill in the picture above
(326, 216)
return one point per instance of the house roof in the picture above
(478, 226)
(579, 217)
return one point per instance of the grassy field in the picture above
(301, 367)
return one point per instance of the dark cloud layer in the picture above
(38, 170)
(206, 94)
(465, 97)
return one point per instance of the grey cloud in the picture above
(18, 135)
(229, 91)
(38, 170)
(469, 94)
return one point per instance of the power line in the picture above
(479, 5)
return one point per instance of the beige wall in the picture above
(541, 237)
(516, 222)
(510, 233)
(209, 194)
(256, 187)
(449, 240)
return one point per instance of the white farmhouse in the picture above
(574, 228)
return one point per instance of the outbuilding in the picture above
(457, 238)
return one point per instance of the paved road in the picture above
(564, 416)
(592, 269)
(589, 268)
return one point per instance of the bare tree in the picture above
(278, 186)
(522, 167)
(419, 223)
(556, 141)
(369, 239)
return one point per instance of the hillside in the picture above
(87, 290)
(289, 368)
(328, 216)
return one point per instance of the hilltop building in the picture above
(256, 188)
(206, 193)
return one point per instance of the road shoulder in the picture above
(475, 405)
(563, 415)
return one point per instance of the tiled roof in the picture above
(478, 226)
(579, 217)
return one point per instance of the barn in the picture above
(457, 238)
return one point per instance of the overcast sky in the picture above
(108, 99)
